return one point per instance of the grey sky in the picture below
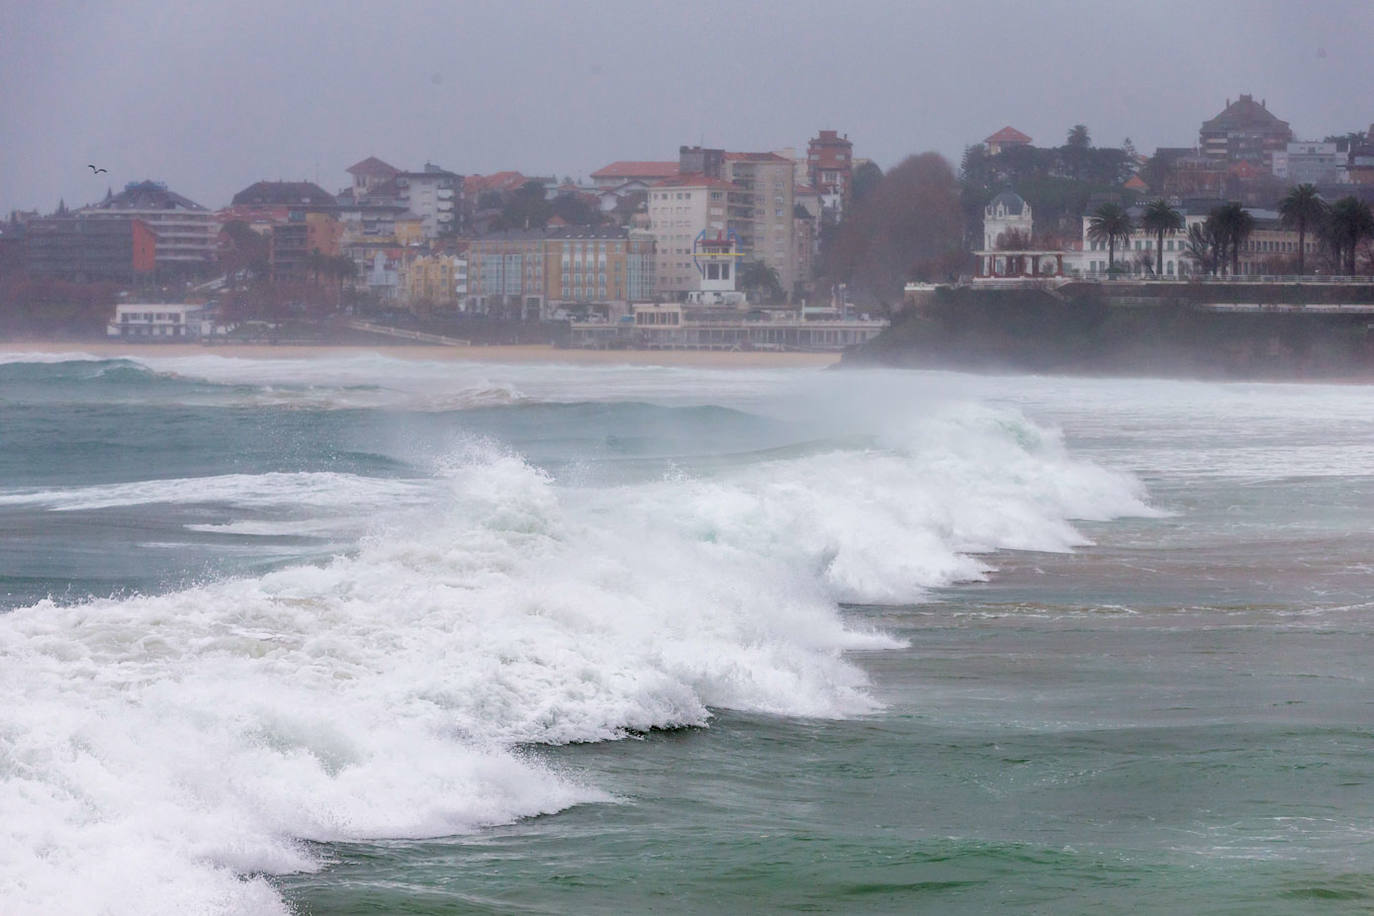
(210, 97)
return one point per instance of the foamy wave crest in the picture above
(915, 511)
(157, 749)
(315, 490)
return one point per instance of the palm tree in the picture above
(1110, 223)
(1300, 209)
(759, 278)
(1160, 218)
(1349, 222)
(1233, 225)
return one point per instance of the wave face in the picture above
(159, 749)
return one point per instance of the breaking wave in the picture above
(159, 750)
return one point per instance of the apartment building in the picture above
(762, 210)
(534, 273)
(681, 210)
(434, 194)
(186, 232)
(830, 170)
(1244, 131)
(90, 250)
(436, 280)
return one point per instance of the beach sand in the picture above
(533, 353)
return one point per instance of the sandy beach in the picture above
(493, 354)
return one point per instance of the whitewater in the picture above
(257, 612)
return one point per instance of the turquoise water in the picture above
(360, 635)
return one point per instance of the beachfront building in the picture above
(156, 322)
(537, 273)
(1270, 249)
(435, 280)
(186, 232)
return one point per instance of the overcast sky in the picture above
(210, 97)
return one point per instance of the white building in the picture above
(1310, 163)
(681, 209)
(433, 194)
(156, 321)
(1006, 212)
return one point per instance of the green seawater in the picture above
(1175, 716)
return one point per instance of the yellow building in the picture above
(434, 280)
(410, 229)
(534, 273)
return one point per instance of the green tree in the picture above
(1350, 222)
(573, 209)
(1078, 137)
(1159, 218)
(1233, 225)
(527, 208)
(763, 281)
(1302, 208)
(866, 178)
(1110, 223)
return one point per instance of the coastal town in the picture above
(794, 248)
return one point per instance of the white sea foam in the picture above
(310, 490)
(155, 749)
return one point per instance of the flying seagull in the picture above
(94, 170)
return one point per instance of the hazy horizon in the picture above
(210, 100)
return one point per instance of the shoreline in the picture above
(500, 353)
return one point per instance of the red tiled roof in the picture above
(1136, 184)
(631, 169)
(803, 189)
(694, 180)
(757, 157)
(1008, 135)
(372, 166)
(496, 181)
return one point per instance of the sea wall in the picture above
(1132, 329)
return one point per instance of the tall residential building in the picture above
(1245, 131)
(435, 195)
(830, 170)
(186, 231)
(118, 250)
(762, 214)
